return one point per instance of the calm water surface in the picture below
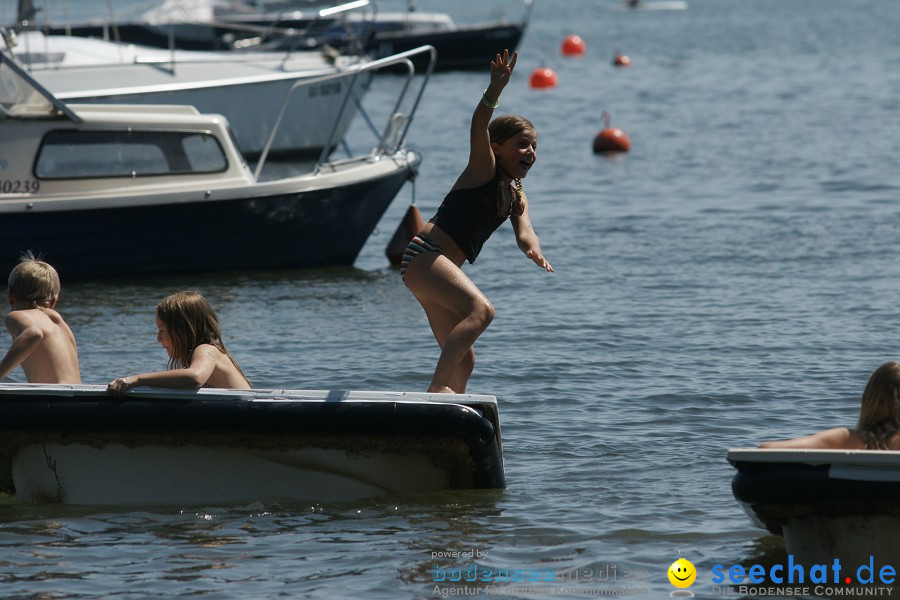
(733, 278)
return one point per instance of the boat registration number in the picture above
(329, 88)
(19, 186)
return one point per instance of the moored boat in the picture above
(77, 444)
(122, 190)
(356, 26)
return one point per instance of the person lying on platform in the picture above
(879, 419)
(189, 331)
(42, 341)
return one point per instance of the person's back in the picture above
(42, 341)
(54, 357)
(225, 373)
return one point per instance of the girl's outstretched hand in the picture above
(539, 260)
(502, 68)
(120, 385)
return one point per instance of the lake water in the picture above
(733, 278)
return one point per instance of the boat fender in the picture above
(410, 225)
(573, 45)
(611, 139)
(543, 77)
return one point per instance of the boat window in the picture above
(67, 154)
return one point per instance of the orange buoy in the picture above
(543, 77)
(573, 45)
(611, 139)
(410, 225)
(621, 60)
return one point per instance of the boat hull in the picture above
(459, 49)
(324, 226)
(216, 446)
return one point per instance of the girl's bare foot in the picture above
(441, 389)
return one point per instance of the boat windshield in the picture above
(21, 96)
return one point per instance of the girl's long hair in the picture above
(879, 413)
(190, 321)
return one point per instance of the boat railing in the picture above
(394, 133)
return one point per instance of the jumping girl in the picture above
(487, 192)
(189, 331)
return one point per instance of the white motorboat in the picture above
(77, 444)
(828, 504)
(122, 190)
(245, 87)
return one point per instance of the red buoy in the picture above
(410, 225)
(621, 60)
(611, 139)
(543, 77)
(573, 45)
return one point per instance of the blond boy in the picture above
(42, 342)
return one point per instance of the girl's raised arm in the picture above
(481, 165)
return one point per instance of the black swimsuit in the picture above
(470, 216)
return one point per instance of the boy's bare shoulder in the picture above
(21, 317)
(43, 318)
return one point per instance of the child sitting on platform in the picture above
(189, 331)
(42, 342)
(879, 419)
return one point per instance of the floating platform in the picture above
(77, 444)
(827, 504)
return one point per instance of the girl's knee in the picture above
(484, 312)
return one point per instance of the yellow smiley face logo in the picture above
(682, 573)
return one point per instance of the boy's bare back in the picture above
(43, 344)
(41, 341)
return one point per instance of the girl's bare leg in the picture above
(458, 313)
(442, 324)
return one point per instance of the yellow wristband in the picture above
(488, 103)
